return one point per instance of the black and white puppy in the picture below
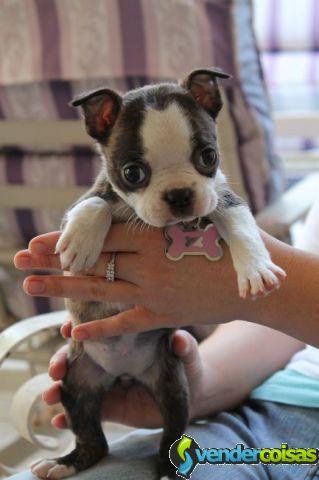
(161, 163)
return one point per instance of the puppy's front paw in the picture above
(260, 279)
(51, 470)
(79, 248)
(82, 239)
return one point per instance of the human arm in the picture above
(238, 357)
(190, 291)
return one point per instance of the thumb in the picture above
(186, 347)
(135, 320)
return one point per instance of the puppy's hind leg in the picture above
(173, 398)
(83, 408)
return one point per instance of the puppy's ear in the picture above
(100, 109)
(203, 86)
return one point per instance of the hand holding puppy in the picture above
(134, 407)
(170, 294)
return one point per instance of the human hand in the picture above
(165, 293)
(134, 407)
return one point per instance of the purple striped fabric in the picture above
(25, 220)
(62, 94)
(287, 26)
(219, 15)
(132, 28)
(273, 26)
(83, 165)
(22, 224)
(2, 115)
(50, 35)
(14, 171)
(244, 122)
(14, 165)
(315, 25)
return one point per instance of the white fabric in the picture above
(307, 361)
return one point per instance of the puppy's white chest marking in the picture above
(121, 355)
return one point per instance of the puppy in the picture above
(160, 162)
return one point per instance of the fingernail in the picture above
(62, 331)
(38, 247)
(80, 335)
(52, 363)
(35, 286)
(23, 261)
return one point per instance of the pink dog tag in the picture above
(193, 241)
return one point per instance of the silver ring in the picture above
(110, 269)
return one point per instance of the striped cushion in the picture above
(77, 166)
(81, 39)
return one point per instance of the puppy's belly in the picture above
(124, 355)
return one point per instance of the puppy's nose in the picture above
(179, 199)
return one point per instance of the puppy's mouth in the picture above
(160, 216)
(173, 221)
(183, 219)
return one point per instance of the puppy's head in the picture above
(160, 145)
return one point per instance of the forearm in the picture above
(294, 309)
(173, 294)
(236, 358)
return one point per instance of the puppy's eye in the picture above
(208, 158)
(207, 161)
(134, 173)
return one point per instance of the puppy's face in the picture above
(161, 150)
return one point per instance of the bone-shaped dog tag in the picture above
(196, 241)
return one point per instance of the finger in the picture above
(58, 362)
(122, 239)
(59, 421)
(119, 239)
(82, 288)
(25, 260)
(180, 343)
(138, 319)
(186, 347)
(126, 264)
(52, 395)
(44, 244)
(65, 330)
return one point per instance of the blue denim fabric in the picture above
(255, 424)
